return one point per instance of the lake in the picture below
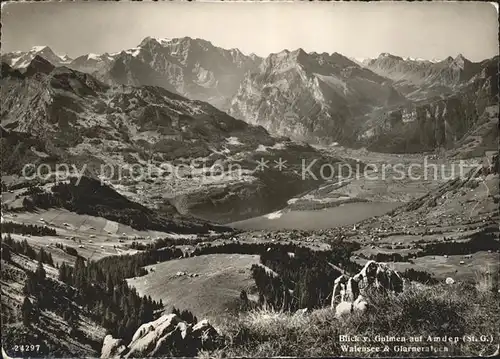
(346, 214)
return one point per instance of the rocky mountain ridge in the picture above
(422, 79)
(314, 97)
(317, 98)
(438, 121)
(191, 67)
(21, 59)
(167, 335)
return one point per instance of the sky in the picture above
(429, 30)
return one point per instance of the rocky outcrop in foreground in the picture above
(169, 335)
(349, 293)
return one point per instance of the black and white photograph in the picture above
(238, 179)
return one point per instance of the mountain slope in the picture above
(313, 97)
(21, 59)
(53, 332)
(91, 62)
(420, 79)
(188, 153)
(438, 121)
(192, 67)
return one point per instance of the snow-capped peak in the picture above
(415, 59)
(38, 48)
(419, 59)
(47, 51)
(65, 59)
(93, 56)
(163, 41)
(134, 51)
(360, 60)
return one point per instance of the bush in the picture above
(71, 251)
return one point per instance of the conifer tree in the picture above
(40, 272)
(26, 310)
(5, 253)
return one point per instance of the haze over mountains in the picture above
(319, 98)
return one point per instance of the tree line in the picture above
(481, 241)
(89, 196)
(108, 297)
(98, 287)
(419, 276)
(10, 245)
(31, 229)
(294, 278)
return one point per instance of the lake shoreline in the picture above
(328, 217)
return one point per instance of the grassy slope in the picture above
(213, 293)
(80, 228)
(425, 311)
(52, 331)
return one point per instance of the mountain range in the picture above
(191, 67)
(319, 98)
(419, 79)
(312, 96)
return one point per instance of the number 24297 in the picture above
(27, 348)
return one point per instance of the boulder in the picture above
(373, 276)
(379, 276)
(345, 289)
(147, 338)
(168, 335)
(343, 308)
(111, 347)
(359, 305)
(204, 335)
